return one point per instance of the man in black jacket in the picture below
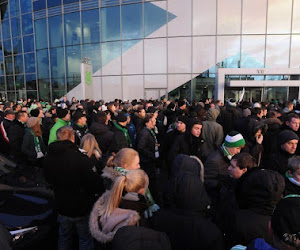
(79, 125)
(75, 184)
(5, 125)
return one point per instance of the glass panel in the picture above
(2, 84)
(92, 51)
(110, 53)
(4, 11)
(14, 8)
(2, 68)
(110, 23)
(27, 24)
(41, 34)
(277, 52)
(275, 94)
(72, 28)
(293, 93)
(52, 3)
(181, 25)
(155, 55)
(39, 5)
(11, 96)
(21, 94)
(20, 82)
(7, 47)
(135, 51)
(1, 54)
(70, 1)
(15, 27)
(73, 81)
(130, 83)
(111, 87)
(253, 51)
(132, 21)
(73, 60)
(204, 17)
(8, 65)
(90, 26)
(228, 51)
(57, 62)
(279, 16)
(58, 88)
(28, 43)
(254, 16)
(42, 64)
(29, 63)
(295, 52)
(10, 83)
(179, 62)
(176, 80)
(55, 31)
(30, 82)
(44, 89)
(18, 62)
(155, 19)
(6, 29)
(31, 95)
(25, 6)
(229, 17)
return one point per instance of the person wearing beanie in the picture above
(79, 125)
(63, 119)
(292, 176)
(287, 142)
(181, 108)
(121, 138)
(33, 145)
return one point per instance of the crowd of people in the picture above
(150, 174)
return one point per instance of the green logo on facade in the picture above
(88, 78)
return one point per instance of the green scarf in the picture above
(37, 143)
(125, 131)
(225, 151)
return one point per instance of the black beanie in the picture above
(181, 103)
(193, 121)
(61, 113)
(35, 112)
(121, 117)
(78, 114)
(184, 119)
(285, 136)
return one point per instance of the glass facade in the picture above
(152, 46)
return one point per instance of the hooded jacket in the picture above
(59, 123)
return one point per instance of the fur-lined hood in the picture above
(104, 229)
(110, 173)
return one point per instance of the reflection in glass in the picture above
(31, 95)
(4, 11)
(154, 18)
(42, 64)
(55, 31)
(18, 62)
(11, 96)
(39, 5)
(44, 89)
(72, 28)
(10, 83)
(14, 8)
(70, 1)
(132, 21)
(90, 26)
(27, 24)
(110, 23)
(30, 82)
(7, 47)
(6, 29)
(275, 93)
(253, 51)
(110, 51)
(20, 82)
(41, 34)
(58, 88)
(28, 43)
(73, 60)
(228, 51)
(57, 62)
(2, 84)
(72, 82)
(25, 6)
(277, 51)
(8, 65)
(2, 68)
(29, 63)
(15, 27)
(52, 3)
(92, 51)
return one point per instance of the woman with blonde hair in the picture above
(121, 206)
(90, 147)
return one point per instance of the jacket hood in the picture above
(273, 123)
(59, 147)
(110, 173)
(212, 114)
(102, 228)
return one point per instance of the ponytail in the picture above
(110, 162)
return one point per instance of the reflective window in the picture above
(27, 24)
(20, 82)
(7, 47)
(1, 68)
(58, 88)
(228, 51)
(52, 3)
(10, 83)
(110, 23)
(55, 31)
(4, 11)
(155, 18)
(92, 51)
(132, 21)
(14, 8)
(11, 96)
(6, 29)
(73, 60)
(70, 1)
(18, 62)
(41, 34)
(1, 54)
(28, 43)
(72, 82)
(25, 6)
(253, 51)
(2, 84)
(57, 62)
(56, 94)
(29, 63)
(110, 51)
(72, 28)
(90, 26)
(39, 5)
(30, 82)
(15, 27)
(44, 89)
(42, 64)
(31, 94)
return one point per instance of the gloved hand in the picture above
(149, 212)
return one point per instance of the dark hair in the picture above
(148, 118)
(244, 160)
(101, 117)
(256, 111)
(291, 116)
(20, 114)
(272, 114)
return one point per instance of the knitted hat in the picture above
(121, 117)
(286, 220)
(234, 139)
(151, 110)
(35, 112)
(184, 119)
(78, 114)
(61, 113)
(231, 102)
(181, 103)
(285, 136)
(32, 121)
(193, 121)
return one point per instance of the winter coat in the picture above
(59, 123)
(79, 132)
(4, 139)
(103, 136)
(15, 134)
(270, 137)
(228, 117)
(74, 182)
(257, 244)
(139, 125)
(290, 188)
(48, 123)
(119, 140)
